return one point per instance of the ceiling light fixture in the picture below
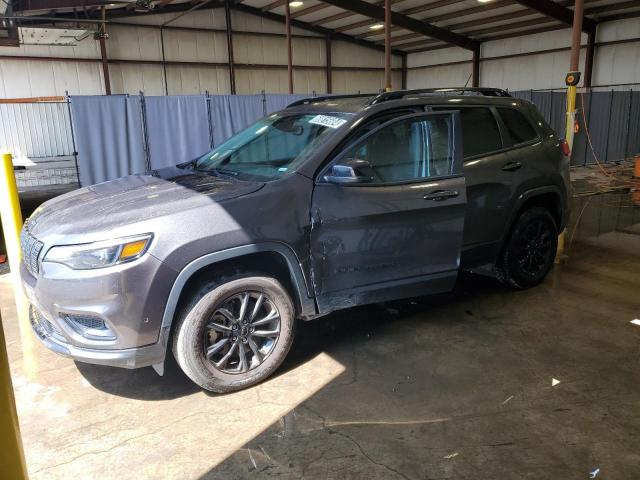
(296, 4)
(377, 26)
(485, 1)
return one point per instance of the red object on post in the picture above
(566, 151)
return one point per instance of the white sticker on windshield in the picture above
(327, 121)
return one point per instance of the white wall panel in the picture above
(362, 81)
(191, 80)
(184, 46)
(254, 81)
(255, 49)
(614, 64)
(433, 77)
(131, 43)
(619, 30)
(309, 51)
(273, 50)
(252, 23)
(132, 78)
(435, 57)
(617, 64)
(309, 81)
(33, 78)
(345, 54)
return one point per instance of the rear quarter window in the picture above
(480, 133)
(518, 128)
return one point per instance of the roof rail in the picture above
(483, 91)
(322, 98)
(395, 95)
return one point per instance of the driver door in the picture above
(388, 213)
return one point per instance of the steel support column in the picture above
(475, 74)
(229, 29)
(589, 58)
(329, 73)
(287, 10)
(404, 72)
(387, 45)
(102, 32)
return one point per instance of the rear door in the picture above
(400, 233)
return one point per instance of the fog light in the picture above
(90, 327)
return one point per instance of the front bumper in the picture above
(123, 297)
(126, 358)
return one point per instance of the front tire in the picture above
(234, 333)
(530, 250)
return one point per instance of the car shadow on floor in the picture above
(356, 324)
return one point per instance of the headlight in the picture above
(99, 254)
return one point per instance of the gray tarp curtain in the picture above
(177, 128)
(108, 136)
(612, 117)
(232, 113)
(112, 132)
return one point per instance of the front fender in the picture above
(307, 303)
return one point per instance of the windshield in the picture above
(271, 147)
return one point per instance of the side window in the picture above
(409, 149)
(480, 133)
(519, 129)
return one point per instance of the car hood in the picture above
(132, 200)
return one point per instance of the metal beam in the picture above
(329, 72)
(241, 7)
(404, 72)
(229, 29)
(558, 12)
(475, 71)
(387, 45)
(35, 5)
(588, 59)
(273, 5)
(102, 32)
(411, 24)
(287, 12)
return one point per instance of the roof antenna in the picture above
(467, 83)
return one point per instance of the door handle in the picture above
(440, 195)
(511, 166)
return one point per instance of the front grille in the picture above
(31, 248)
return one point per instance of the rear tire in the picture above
(234, 333)
(529, 253)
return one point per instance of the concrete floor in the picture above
(454, 386)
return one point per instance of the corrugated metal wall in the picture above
(612, 119)
(614, 64)
(139, 47)
(36, 130)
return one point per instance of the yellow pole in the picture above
(10, 212)
(571, 115)
(12, 463)
(568, 136)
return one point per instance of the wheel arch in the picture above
(548, 197)
(286, 261)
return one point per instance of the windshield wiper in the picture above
(224, 171)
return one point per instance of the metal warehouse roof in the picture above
(418, 25)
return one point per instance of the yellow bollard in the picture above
(10, 212)
(12, 463)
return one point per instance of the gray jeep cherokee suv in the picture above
(331, 203)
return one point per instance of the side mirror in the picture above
(352, 170)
